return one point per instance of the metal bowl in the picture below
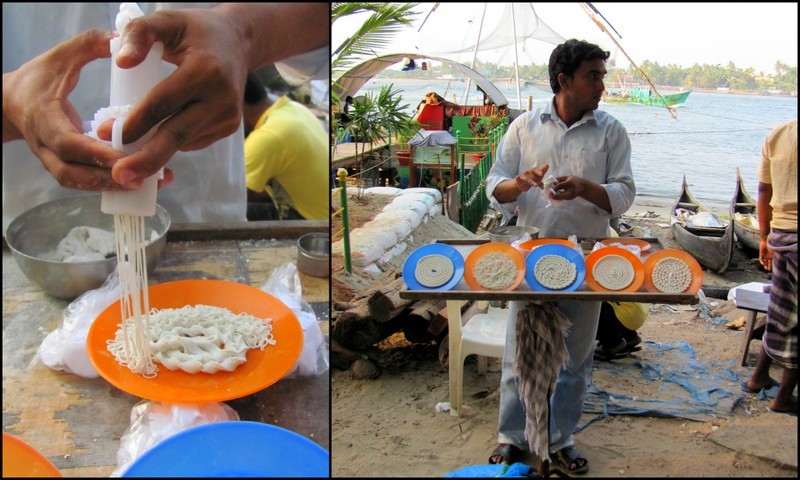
(313, 254)
(511, 233)
(37, 232)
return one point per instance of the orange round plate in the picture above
(485, 249)
(262, 368)
(22, 460)
(643, 245)
(694, 267)
(595, 256)
(531, 244)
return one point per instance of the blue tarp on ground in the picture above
(674, 384)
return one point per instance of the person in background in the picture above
(589, 153)
(286, 158)
(618, 325)
(777, 218)
(51, 84)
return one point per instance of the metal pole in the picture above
(516, 58)
(474, 54)
(342, 174)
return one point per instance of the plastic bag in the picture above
(284, 284)
(152, 422)
(65, 347)
(547, 190)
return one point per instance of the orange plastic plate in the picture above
(22, 460)
(531, 244)
(652, 259)
(597, 255)
(485, 249)
(643, 245)
(262, 368)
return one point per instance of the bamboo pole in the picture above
(600, 25)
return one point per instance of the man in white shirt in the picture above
(588, 153)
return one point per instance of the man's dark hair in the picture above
(254, 91)
(567, 57)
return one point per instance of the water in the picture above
(713, 134)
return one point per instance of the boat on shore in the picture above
(745, 216)
(700, 232)
(645, 96)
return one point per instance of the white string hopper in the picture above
(555, 272)
(613, 272)
(434, 271)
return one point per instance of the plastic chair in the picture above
(484, 335)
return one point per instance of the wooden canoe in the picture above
(711, 246)
(745, 207)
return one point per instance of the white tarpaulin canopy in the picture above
(352, 81)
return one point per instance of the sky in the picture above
(753, 35)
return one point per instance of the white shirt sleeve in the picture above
(300, 69)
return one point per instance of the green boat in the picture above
(645, 96)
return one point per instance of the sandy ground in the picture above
(390, 426)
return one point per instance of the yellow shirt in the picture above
(286, 155)
(779, 167)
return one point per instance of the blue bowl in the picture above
(233, 449)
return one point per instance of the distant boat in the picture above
(645, 96)
(745, 216)
(711, 245)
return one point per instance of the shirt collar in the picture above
(549, 113)
(278, 103)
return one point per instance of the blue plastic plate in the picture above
(410, 265)
(554, 249)
(233, 449)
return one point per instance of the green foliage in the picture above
(784, 77)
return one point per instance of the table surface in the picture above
(77, 422)
(461, 291)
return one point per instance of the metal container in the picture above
(314, 254)
(37, 232)
(512, 233)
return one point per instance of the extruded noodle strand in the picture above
(134, 350)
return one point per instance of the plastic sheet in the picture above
(284, 284)
(152, 422)
(64, 348)
(677, 384)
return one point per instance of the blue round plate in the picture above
(410, 265)
(233, 449)
(554, 249)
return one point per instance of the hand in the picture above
(765, 255)
(199, 103)
(567, 188)
(531, 178)
(36, 108)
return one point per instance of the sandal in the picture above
(510, 454)
(568, 457)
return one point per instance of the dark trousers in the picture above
(610, 330)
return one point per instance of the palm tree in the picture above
(375, 117)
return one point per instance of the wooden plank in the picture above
(245, 231)
(345, 153)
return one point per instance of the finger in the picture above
(165, 99)
(104, 129)
(142, 32)
(77, 176)
(84, 47)
(169, 177)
